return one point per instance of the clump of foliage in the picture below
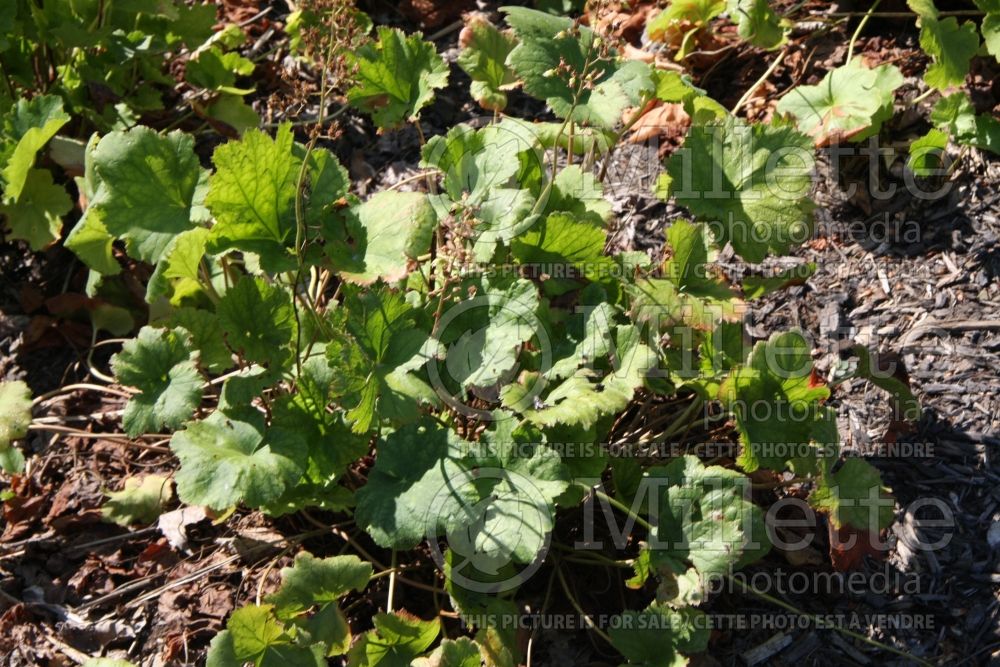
(430, 329)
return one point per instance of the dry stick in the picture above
(542, 610)
(392, 583)
(197, 574)
(820, 624)
(861, 26)
(54, 428)
(576, 605)
(752, 89)
(79, 386)
(901, 15)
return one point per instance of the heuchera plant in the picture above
(450, 347)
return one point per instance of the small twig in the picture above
(576, 605)
(392, 583)
(80, 386)
(861, 26)
(752, 89)
(820, 624)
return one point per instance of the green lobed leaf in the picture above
(653, 637)
(483, 57)
(396, 227)
(757, 23)
(396, 640)
(775, 402)
(151, 188)
(461, 652)
(163, 365)
(690, 293)
(952, 46)
(560, 63)
(564, 241)
(15, 417)
(26, 129)
(225, 462)
(991, 26)
(483, 336)
(215, 70)
(90, 241)
(252, 194)
(421, 473)
(750, 184)
(956, 114)
(585, 396)
(704, 519)
(140, 501)
(207, 336)
(36, 216)
(253, 634)
(854, 496)
(849, 104)
(253, 191)
(317, 582)
(927, 153)
(370, 353)
(396, 77)
(510, 514)
(259, 321)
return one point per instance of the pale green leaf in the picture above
(397, 228)
(952, 46)
(28, 126)
(149, 188)
(775, 402)
(750, 184)
(36, 216)
(704, 519)
(396, 640)
(555, 58)
(317, 582)
(15, 415)
(254, 635)
(483, 57)
(225, 462)
(927, 153)
(182, 261)
(564, 243)
(691, 292)
(396, 77)
(757, 23)
(461, 652)
(90, 241)
(849, 104)
(854, 496)
(163, 365)
(140, 501)
(252, 193)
